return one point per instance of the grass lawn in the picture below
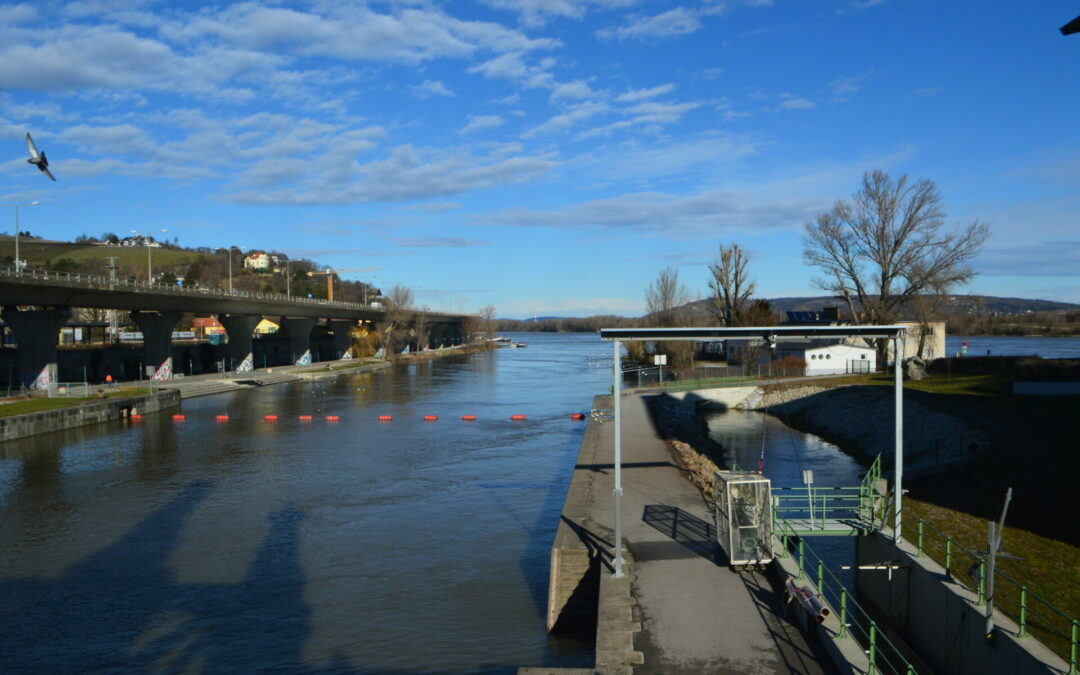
(31, 405)
(1035, 451)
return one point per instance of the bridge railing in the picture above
(1036, 616)
(99, 282)
(855, 623)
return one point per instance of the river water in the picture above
(998, 345)
(357, 546)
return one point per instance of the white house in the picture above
(257, 261)
(835, 359)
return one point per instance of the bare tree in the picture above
(887, 247)
(420, 325)
(730, 285)
(398, 310)
(487, 321)
(665, 300)
(665, 297)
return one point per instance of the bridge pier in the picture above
(37, 332)
(342, 344)
(157, 329)
(241, 352)
(298, 330)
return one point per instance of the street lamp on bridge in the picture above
(147, 238)
(18, 263)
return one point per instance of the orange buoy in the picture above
(468, 418)
(136, 416)
(270, 418)
(517, 417)
(333, 418)
(385, 418)
(222, 418)
(305, 418)
(179, 418)
(578, 416)
(430, 418)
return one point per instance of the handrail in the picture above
(98, 282)
(1035, 615)
(855, 622)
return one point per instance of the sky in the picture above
(547, 157)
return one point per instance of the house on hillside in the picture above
(258, 261)
(139, 240)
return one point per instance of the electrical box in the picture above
(743, 515)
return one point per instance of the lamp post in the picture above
(18, 267)
(147, 236)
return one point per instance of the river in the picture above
(356, 546)
(999, 345)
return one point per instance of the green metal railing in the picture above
(858, 507)
(855, 623)
(1035, 615)
(708, 383)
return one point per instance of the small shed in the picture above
(832, 359)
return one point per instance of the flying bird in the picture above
(38, 158)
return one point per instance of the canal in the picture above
(356, 546)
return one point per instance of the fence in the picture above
(884, 655)
(1035, 615)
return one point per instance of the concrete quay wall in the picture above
(106, 410)
(940, 619)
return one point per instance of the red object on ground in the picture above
(468, 418)
(517, 417)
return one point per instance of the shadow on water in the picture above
(121, 610)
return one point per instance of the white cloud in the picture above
(512, 67)
(634, 95)
(429, 88)
(653, 112)
(480, 122)
(536, 13)
(678, 21)
(406, 174)
(565, 120)
(793, 102)
(572, 90)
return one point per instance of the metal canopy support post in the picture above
(898, 425)
(616, 393)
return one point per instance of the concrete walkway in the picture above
(695, 615)
(217, 383)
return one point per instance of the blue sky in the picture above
(544, 156)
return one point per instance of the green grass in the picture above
(23, 406)
(39, 253)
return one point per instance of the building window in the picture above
(862, 356)
(828, 356)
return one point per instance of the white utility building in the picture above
(831, 359)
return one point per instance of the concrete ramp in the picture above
(717, 397)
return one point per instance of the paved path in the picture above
(696, 616)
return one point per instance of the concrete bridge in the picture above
(47, 299)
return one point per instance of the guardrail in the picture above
(855, 622)
(1035, 615)
(709, 383)
(98, 282)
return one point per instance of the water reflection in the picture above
(304, 546)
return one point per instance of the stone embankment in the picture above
(687, 437)
(859, 419)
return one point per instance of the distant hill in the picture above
(955, 304)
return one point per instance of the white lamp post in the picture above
(146, 238)
(18, 267)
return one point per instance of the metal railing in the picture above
(103, 283)
(1035, 615)
(819, 505)
(855, 623)
(708, 383)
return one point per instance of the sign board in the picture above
(660, 360)
(808, 476)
